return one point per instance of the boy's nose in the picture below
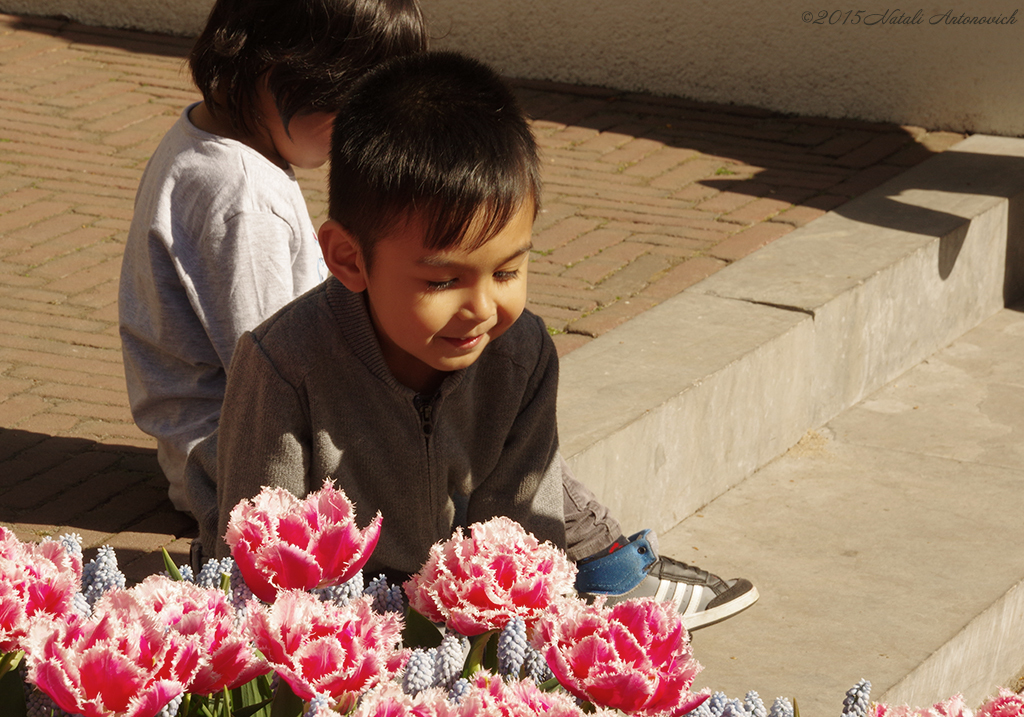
(479, 305)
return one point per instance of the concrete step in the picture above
(886, 545)
(697, 393)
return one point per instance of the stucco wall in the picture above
(175, 17)
(894, 62)
(942, 76)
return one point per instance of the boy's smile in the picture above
(436, 311)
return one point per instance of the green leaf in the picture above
(286, 703)
(796, 708)
(419, 631)
(170, 567)
(225, 583)
(258, 708)
(477, 653)
(253, 698)
(550, 685)
(12, 695)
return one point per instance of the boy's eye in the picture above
(506, 275)
(440, 285)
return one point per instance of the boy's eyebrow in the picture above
(436, 260)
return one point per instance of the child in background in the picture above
(221, 237)
(414, 377)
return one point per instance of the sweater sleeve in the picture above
(526, 483)
(264, 433)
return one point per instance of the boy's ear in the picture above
(343, 255)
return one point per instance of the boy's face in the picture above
(436, 311)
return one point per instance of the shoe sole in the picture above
(706, 618)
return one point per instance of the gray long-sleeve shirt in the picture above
(220, 239)
(310, 397)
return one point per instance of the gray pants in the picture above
(589, 528)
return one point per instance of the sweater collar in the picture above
(353, 318)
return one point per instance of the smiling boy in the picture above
(414, 377)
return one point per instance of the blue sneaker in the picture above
(636, 570)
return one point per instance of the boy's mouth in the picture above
(464, 343)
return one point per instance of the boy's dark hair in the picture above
(437, 135)
(311, 51)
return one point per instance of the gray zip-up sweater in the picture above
(309, 397)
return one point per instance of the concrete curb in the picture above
(694, 395)
(984, 653)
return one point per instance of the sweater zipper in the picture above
(425, 407)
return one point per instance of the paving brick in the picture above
(695, 193)
(566, 343)
(844, 143)
(660, 161)
(11, 386)
(563, 232)
(875, 150)
(798, 216)
(49, 423)
(706, 231)
(50, 484)
(28, 214)
(637, 274)
(19, 407)
(682, 276)
(756, 211)
(745, 242)
(606, 319)
(941, 141)
(587, 245)
(826, 201)
(687, 173)
(576, 304)
(865, 179)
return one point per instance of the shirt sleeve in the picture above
(242, 274)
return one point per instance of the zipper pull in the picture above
(428, 419)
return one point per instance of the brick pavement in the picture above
(644, 197)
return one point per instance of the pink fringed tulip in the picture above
(318, 647)
(388, 700)
(36, 581)
(952, 707)
(1006, 704)
(478, 583)
(281, 542)
(231, 660)
(489, 695)
(634, 657)
(122, 662)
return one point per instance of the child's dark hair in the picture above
(310, 51)
(438, 136)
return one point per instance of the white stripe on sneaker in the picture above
(694, 604)
(663, 588)
(677, 595)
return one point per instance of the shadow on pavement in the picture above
(68, 483)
